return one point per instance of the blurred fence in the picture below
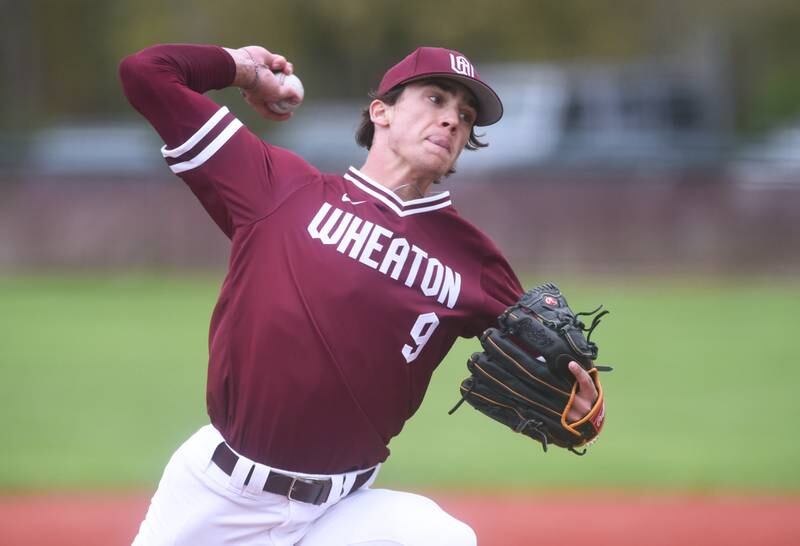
(559, 220)
(608, 166)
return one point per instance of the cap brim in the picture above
(490, 108)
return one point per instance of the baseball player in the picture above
(343, 294)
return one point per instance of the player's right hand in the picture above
(265, 88)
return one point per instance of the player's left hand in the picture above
(586, 396)
(536, 373)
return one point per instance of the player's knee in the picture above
(443, 529)
(458, 533)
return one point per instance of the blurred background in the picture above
(648, 159)
(660, 134)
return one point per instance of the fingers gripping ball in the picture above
(288, 105)
(522, 377)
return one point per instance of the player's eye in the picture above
(435, 99)
(467, 116)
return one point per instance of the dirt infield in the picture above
(612, 519)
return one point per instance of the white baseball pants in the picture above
(197, 504)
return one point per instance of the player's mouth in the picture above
(441, 142)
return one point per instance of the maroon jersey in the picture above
(341, 298)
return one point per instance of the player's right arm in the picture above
(236, 177)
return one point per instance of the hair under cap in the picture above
(438, 62)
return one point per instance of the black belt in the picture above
(311, 491)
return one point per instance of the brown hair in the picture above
(366, 129)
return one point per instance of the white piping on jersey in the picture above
(392, 205)
(390, 193)
(209, 150)
(197, 137)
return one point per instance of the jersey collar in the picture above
(392, 200)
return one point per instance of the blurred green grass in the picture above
(101, 378)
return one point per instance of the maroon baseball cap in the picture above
(438, 62)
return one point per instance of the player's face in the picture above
(431, 125)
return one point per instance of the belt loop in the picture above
(339, 487)
(257, 480)
(347, 485)
(240, 472)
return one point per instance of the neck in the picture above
(397, 176)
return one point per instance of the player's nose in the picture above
(449, 118)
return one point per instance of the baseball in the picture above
(287, 105)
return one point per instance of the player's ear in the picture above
(380, 113)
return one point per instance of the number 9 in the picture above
(421, 332)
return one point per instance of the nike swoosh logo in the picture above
(346, 199)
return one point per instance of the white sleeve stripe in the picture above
(209, 150)
(195, 138)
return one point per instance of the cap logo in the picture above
(461, 65)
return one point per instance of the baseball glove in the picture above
(522, 379)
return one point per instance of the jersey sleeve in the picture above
(500, 287)
(236, 176)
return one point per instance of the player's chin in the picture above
(439, 165)
(439, 170)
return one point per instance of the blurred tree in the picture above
(59, 58)
(69, 41)
(767, 47)
(19, 92)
